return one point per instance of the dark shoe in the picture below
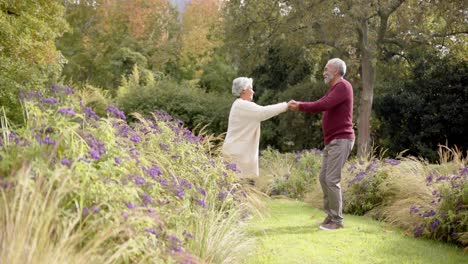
(331, 226)
(327, 220)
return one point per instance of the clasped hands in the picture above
(293, 105)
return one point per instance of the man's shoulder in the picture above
(344, 84)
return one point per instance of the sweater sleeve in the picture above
(252, 110)
(331, 99)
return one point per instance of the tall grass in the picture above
(34, 228)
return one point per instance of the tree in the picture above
(362, 32)
(28, 57)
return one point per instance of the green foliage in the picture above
(218, 76)
(153, 175)
(302, 172)
(427, 110)
(185, 101)
(364, 191)
(28, 56)
(446, 217)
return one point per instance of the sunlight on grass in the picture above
(290, 235)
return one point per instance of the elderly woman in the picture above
(243, 135)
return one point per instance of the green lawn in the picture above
(289, 235)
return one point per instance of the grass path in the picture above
(289, 235)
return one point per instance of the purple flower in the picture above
(130, 205)
(146, 199)
(67, 111)
(175, 243)
(66, 162)
(135, 138)
(392, 161)
(68, 90)
(117, 160)
(85, 211)
(202, 191)
(163, 182)
(49, 101)
(464, 171)
(154, 171)
(428, 213)
(125, 215)
(434, 224)
(94, 154)
(151, 231)
(200, 202)
(418, 231)
(231, 166)
(187, 235)
(176, 156)
(139, 180)
(89, 113)
(95, 209)
(429, 178)
(222, 195)
(113, 110)
(47, 140)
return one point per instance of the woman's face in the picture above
(247, 94)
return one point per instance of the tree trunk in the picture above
(365, 100)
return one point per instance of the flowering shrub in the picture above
(303, 170)
(446, 217)
(152, 174)
(363, 192)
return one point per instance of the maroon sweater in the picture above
(337, 108)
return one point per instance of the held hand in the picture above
(293, 105)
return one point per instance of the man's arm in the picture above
(333, 98)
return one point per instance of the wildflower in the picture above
(185, 184)
(163, 182)
(429, 178)
(231, 166)
(418, 231)
(68, 90)
(139, 180)
(464, 171)
(200, 202)
(428, 214)
(111, 109)
(175, 243)
(146, 199)
(222, 195)
(95, 209)
(94, 154)
(49, 101)
(85, 211)
(187, 235)
(392, 161)
(89, 113)
(151, 231)
(117, 160)
(176, 156)
(135, 138)
(67, 111)
(48, 141)
(202, 191)
(125, 215)
(130, 205)
(434, 224)
(154, 171)
(66, 162)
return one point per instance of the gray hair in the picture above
(339, 64)
(241, 83)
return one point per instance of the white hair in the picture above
(241, 83)
(339, 64)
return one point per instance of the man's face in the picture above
(329, 73)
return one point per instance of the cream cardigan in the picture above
(243, 135)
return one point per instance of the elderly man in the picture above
(243, 135)
(337, 125)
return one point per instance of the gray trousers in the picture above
(335, 155)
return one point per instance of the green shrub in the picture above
(363, 192)
(302, 171)
(446, 217)
(153, 175)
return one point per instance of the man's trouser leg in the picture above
(335, 155)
